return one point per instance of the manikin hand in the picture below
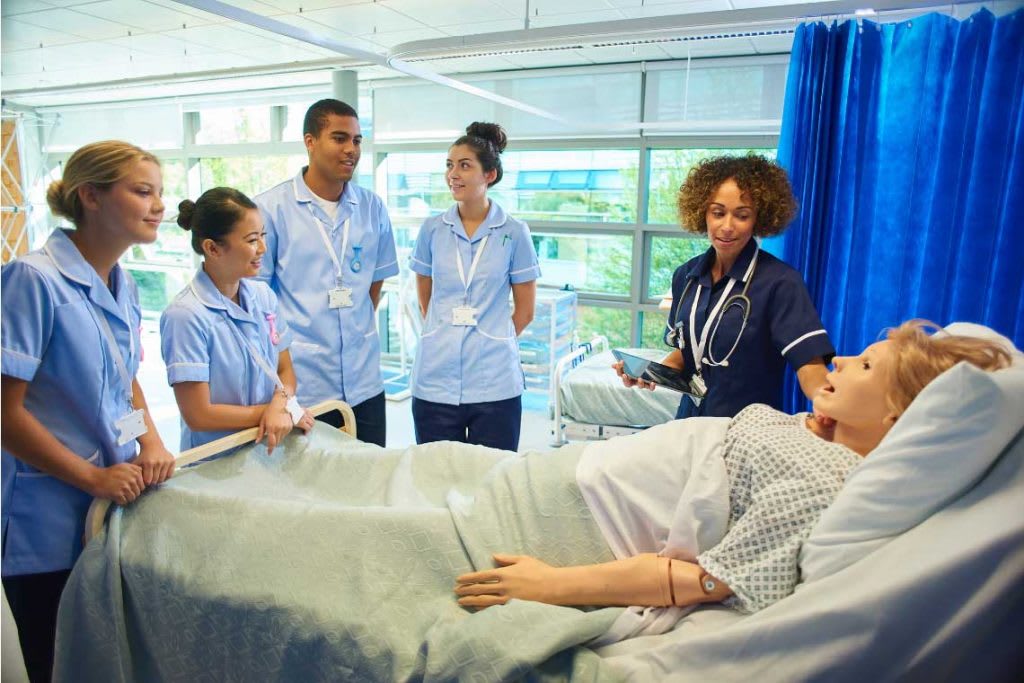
(519, 576)
(306, 423)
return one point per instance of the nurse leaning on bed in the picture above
(739, 315)
(222, 338)
(75, 424)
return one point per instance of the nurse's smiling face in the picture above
(334, 154)
(239, 253)
(730, 217)
(466, 177)
(131, 209)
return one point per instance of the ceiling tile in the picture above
(433, 13)
(10, 8)
(309, 5)
(363, 19)
(140, 15)
(477, 28)
(157, 44)
(570, 18)
(15, 32)
(222, 37)
(76, 23)
(390, 39)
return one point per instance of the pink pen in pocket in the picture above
(142, 349)
(275, 338)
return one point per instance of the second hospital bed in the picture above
(589, 402)
(333, 560)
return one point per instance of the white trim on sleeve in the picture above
(800, 339)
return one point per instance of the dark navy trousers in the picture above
(492, 423)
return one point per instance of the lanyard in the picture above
(472, 267)
(698, 349)
(108, 336)
(253, 351)
(329, 246)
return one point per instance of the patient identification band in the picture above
(338, 296)
(465, 315)
(133, 424)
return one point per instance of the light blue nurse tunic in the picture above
(201, 336)
(51, 337)
(471, 364)
(336, 352)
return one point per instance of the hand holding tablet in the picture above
(647, 370)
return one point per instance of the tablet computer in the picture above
(652, 371)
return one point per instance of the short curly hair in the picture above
(765, 181)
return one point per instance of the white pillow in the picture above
(948, 437)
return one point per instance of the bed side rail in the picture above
(598, 344)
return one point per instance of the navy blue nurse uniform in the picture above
(783, 327)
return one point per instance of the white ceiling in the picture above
(48, 44)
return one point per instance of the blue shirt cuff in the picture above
(384, 272)
(19, 365)
(188, 372)
(525, 275)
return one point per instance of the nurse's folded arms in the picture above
(75, 423)
(222, 338)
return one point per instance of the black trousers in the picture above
(371, 420)
(491, 423)
(34, 599)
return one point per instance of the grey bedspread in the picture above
(333, 560)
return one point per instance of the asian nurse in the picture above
(222, 338)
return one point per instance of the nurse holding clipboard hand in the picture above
(739, 315)
(75, 423)
(467, 379)
(222, 338)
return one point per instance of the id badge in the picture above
(340, 297)
(699, 389)
(295, 410)
(131, 426)
(464, 316)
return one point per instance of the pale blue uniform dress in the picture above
(207, 337)
(335, 351)
(471, 364)
(52, 338)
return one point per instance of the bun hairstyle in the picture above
(213, 216)
(488, 141)
(100, 164)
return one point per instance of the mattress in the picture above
(593, 393)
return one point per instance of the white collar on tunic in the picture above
(495, 218)
(73, 266)
(206, 291)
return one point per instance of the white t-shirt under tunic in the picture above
(781, 478)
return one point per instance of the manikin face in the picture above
(855, 395)
(239, 254)
(465, 176)
(335, 152)
(730, 217)
(131, 209)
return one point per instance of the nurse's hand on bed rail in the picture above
(120, 483)
(276, 423)
(631, 381)
(156, 461)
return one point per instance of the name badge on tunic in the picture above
(295, 410)
(698, 388)
(131, 426)
(464, 316)
(340, 297)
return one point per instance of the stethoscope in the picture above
(724, 304)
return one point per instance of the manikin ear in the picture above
(889, 420)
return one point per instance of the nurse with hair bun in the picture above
(467, 379)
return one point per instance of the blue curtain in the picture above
(905, 145)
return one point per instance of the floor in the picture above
(535, 432)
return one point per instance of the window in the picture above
(668, 169)
(250, 174)
(416, 186)
(667, 254)
(230, 125)
(613, 323)
(590, 263)
(593, 186)
(652, 330)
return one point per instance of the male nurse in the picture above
(329, 249)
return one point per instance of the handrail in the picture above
(96, 517)
(577, 354)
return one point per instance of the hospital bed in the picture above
(589, 401)
(249, 567)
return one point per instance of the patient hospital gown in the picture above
(781, 478)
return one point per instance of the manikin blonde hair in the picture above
(919, 357)
(100, 164)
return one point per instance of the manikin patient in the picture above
(783, 471)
